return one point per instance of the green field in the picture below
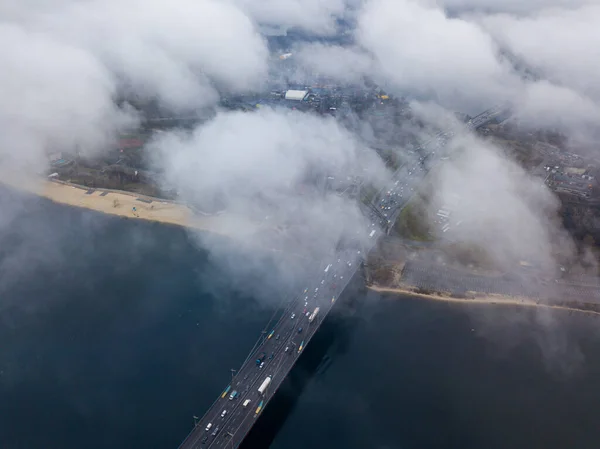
(412, 224)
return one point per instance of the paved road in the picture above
(278, 350)
(228, 420)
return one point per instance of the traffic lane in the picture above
(275, 371)
(270, 368)
(247, 368)
(224, 436)
(224, 423)
(213, 414)
(242, 386)
(248, 421)
(231, 427)
(287, 364)
(267, 345)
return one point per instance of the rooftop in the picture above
(297, 95)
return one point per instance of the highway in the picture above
(278, 350)
(229, 419)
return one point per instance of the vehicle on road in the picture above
(214, 434)
(205, 439)
(264, 385)
(208, 426)
(293, 316)
(299, 330)
(270, 335)
(226, 391)
(223, 413)
(233, 395)
(246, 402)
(287, 349)
(259, 360)
(271, 356)
(312, 317)
(261, 365)
(259, 408)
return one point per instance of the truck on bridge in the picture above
(313, 315)
(264, 385)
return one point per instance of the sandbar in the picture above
(478, 299)
(130, 205)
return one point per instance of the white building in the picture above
(296, 95)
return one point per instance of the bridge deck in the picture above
(238, 420)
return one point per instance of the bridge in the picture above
(231, 417)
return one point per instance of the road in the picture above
(227, 422)
(278, 350)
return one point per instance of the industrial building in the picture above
(296, 95)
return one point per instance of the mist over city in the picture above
(438, 150)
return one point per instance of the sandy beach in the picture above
(479, 299)
(130, 205)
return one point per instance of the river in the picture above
(114, 333)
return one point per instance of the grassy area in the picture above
(412, 224)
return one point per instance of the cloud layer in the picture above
(67, 63)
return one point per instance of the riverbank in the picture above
(130, 205)
(479, 299)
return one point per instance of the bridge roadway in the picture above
(229, 420)
(232, 428)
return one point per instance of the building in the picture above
(296, 95)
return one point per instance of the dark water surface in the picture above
(114, 333)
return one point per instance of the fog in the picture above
(512, 216)
(260, 168)
(69, 64)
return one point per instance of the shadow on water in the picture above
(332, 339)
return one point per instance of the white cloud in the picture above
(173, 51)
(346, 64)
(420, 50)
(502, 210)
(263, 164)
(53, 97)
(65, 62)
(314, 16)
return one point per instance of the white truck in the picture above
(264, 385)
(313, 315)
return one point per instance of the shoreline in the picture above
(129, 205)
(479, 299)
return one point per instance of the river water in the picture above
(114, 333)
